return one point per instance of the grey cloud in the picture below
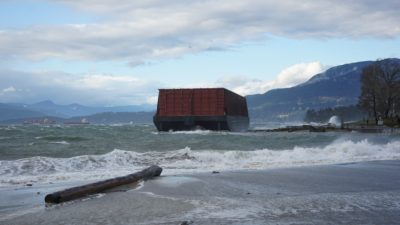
(143, 30)
(64, 88)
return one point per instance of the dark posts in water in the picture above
(81, 191)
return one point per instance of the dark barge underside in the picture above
(175, 123)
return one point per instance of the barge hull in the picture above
(201, 108)
(177, 123)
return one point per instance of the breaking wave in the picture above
(195, 132)
(60, 142)
(120, 162)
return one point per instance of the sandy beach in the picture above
(355, 193)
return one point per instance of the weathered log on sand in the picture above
(81, 191)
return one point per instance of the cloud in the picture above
(152, 99)
(9, 89)
(113, 90)
(291, 76)
(89, 89)
(145, 30)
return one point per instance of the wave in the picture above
(204, 132)
(120, 162)
(60, 138)
(7, 128)
(59, 142)
(197, 132)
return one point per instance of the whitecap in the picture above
(184, 161)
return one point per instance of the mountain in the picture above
(11, 111)
(49, 108)
(338, 86)
(15, 112)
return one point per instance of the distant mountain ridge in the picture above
(98, 118)
(338, 86)
(15, 111)
(9, 111)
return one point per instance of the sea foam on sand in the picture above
(355, 193)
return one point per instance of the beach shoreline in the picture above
(350, 193)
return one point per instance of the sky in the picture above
(116, 52)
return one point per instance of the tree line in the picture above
(346, 113)
(379, 99)
(380, 90)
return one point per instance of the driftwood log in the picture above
(81, 191)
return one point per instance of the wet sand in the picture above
(356, 193)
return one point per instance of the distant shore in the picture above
(327, 128)
(352, 193)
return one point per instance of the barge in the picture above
(201, 108)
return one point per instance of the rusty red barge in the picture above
(201, 108)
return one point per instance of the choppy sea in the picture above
(46, 154)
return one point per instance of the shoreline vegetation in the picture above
(379, 102)
(345, 127)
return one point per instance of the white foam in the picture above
(120, 162)
(339, 152)
(197, 132)
(203, 132)
(335, 121)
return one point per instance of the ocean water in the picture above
(47, 154)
